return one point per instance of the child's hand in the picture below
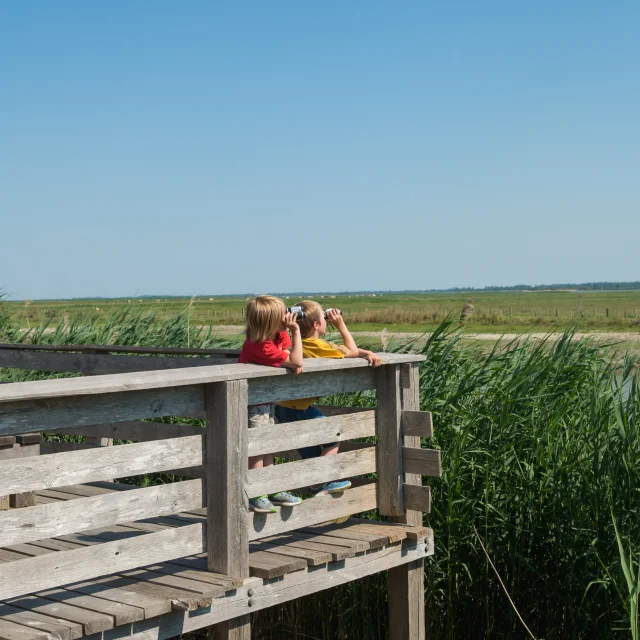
(372, 358)
(334, 317)
(296, 371)
(289, 322)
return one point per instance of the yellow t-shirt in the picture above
(315, 348)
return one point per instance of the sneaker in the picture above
(261, 505)
(285, 499)
(337, 486)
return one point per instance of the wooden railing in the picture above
(113, 405)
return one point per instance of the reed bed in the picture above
(541, 454)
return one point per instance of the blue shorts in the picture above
(285, 414)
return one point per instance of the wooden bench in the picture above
(92, 556)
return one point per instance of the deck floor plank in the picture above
(12, 631)
(58, 629)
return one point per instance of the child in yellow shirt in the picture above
(312, 327)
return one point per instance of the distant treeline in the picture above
(584, 286)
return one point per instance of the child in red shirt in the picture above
(268, 343)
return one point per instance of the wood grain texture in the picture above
(417, 423)
(425, 462)
(303, 473)
(146, 380)
(305, 433)
(390, 473)
(134, 430)
(64, 567)
(417, 498)
(93, 464)
(64, 517)
(291, 586)
(406, 605)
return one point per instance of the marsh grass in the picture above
(540, 443)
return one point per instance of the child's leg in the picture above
(260, 416)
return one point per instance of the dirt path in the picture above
(608, 336)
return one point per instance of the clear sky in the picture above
(218, 147)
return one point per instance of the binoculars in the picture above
(299, 313)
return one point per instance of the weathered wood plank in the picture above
(58, 629)
(425, 462)
(115, 348)
(302, 473)
(375, 540)
(49, 414)
(305, 433)
(317, 383)
(265, 564)
(65, 567)
(312, 557)
(417, 423)
(100, 364)
(75, 467)
(57, 519)
(313, 511)
(417, 498)
(13, 631)
(91, 621)
(134, 430)
(333, 410)
(291, 586)
(192, 376)
(18, 451)
(390, 472)
(227, 502)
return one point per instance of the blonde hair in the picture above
(312, 313)
(263, 317)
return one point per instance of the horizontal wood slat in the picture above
(64, 517)
(425, 462)
(134, 430)
(100, 364)
(147, 380)
(313, 511)
(417, 423)
(417, 498)
(305, 433)
(64, 567)
(102, 463)
(303, 473)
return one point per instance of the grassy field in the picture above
(495, 312)
(541, 455)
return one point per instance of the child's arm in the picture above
(294, 361)
(353, 351)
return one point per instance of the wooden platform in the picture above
(170, 598)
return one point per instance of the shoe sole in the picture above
(258, 510)
(330, 491)
(286, 504)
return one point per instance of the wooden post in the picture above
(227, 504)
(32, 442)
(606, 312)
(406, 582)
(389, 449)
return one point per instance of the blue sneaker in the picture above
(261, 505)
(337, 486)
(285, 499)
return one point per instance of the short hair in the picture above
(263, 316)
(312, 313)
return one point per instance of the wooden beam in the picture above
(406, 582)
(305, 433)
(64, 517)
(417, 423)
(135, 430)
(417, 498)
(303, 473)
(64, 567)
(390, 473)
(146, 380)
(425, 462)
(227, 504)
(289, 587)
(94, 464)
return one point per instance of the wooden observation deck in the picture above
(84, 555)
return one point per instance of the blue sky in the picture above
(221, 147)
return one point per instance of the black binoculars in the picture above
(299, 313)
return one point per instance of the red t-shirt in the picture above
(270, 352)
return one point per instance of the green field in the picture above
(493, 311)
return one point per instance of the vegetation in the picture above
(541, 445)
